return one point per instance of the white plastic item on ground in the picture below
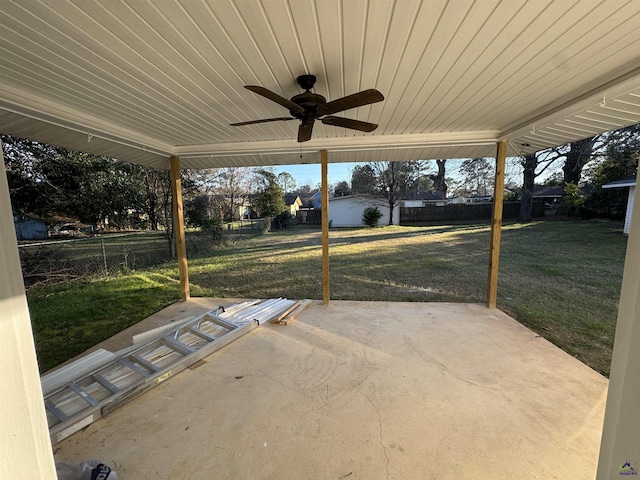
(89, 470)
(56, 379)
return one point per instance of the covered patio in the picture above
(361, 390)
(159, 84)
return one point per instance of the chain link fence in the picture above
(64, 260)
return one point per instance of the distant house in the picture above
(316, 199)
(231, 208)
(293, 203)
(623, 183)
(347, 211)
(422, 199)
(479, 199)
(29, 228)
(551, 195)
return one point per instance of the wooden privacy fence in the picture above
(309, 216)
(463, 212)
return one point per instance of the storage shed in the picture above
(623, 183)
(347, 211)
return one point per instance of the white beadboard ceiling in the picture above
(144, 80)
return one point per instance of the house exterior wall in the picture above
(627, 219)
(24, 435)
(293, 208)
(347, 211)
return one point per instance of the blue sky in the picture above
(311, 175)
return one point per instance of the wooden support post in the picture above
(178, 226)
(496, 225)
(324, 160)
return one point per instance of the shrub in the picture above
(371, 216)
(283, 220)
(214, 228)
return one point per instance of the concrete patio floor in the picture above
(361, 390)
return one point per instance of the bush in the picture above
(282, 221)
(214, 228)
(371, 216)
(572, 201)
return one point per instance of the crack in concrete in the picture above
(384, 449)
(325, 399)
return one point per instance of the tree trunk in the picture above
(578, 156)
(391, 205)
(439, 183)
(529, 165)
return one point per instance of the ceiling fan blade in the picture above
(304, 131)
(251, 122)
(349, 123)
(359, 99)
(274, 97)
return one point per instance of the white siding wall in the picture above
(24, 434)
(627, 220)
(347, 211)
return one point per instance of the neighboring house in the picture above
(316, 200)
(293, 203)
(623, 183)
(241, 208)
(479, 199)
(347, 211)
(550, 195)
(29, 228)
(418, 200)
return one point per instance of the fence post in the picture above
(104, 256)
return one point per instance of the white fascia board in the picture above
(39, 108)
(341, 144)
(630, 183)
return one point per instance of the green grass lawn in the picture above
(561, 279)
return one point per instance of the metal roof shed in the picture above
(631, 183)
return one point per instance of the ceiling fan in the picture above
(308, 107)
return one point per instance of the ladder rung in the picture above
(222, 323)
(145, 363)
(178, 346)
(59, 414)
(132, 366)
(201, 334)
(105, 383)
(84, 395)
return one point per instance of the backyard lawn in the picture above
(561, 279)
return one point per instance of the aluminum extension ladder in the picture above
(84, 400)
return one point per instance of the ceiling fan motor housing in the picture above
(309, 101)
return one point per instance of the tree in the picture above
(439, 180)
(270, 198)
(49, 180)
(286, 182)
(578, 154)
(478, 176)
(363, 179)
(533, 165)
(619, 160)
(341, 189)
(392, 179)
(229, 187)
